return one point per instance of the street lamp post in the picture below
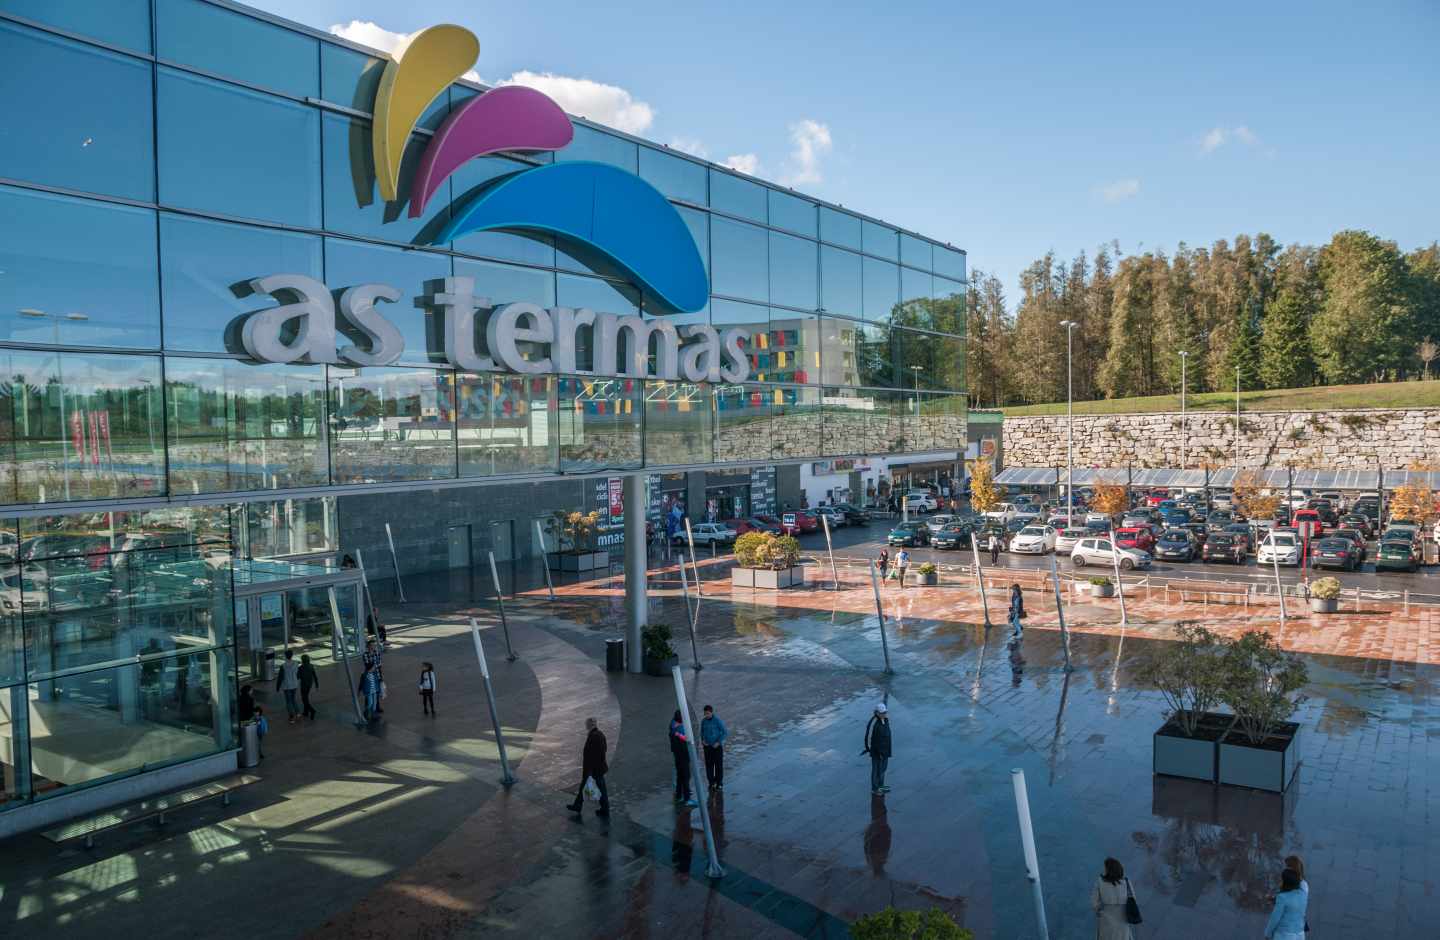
(1069, 420)
(1237, 419)
(916, 371)
(1184, 427)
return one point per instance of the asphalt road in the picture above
(866, 541)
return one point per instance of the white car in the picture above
(834, 517)
(1033, 540)
(1097, 517)
(1095, 551)
(921, 502)
(707, 532)
(1066, 539)
(1279, 548)
(1002, 513)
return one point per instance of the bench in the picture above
(156, 807)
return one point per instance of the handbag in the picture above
(1132, 908)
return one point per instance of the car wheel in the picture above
(1078, 560)
(1126, 564)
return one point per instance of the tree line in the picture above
(1356, 309)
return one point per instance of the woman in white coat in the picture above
(1108, 898)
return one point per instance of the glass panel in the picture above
(941, 423)
(840, 290)
(271, 171)
(679, 427)
(729, 193)
(937, 361)
(766, 422)
(55, 536)
(948, 311)
(81, 426)
(788, 351)
(675, 176)
(739, 255)
(205, 272)
(885, 424)
(841, 343)
(349, 263)
(352, 198)
(89, 727)
(350, 78)
(77, 272)
(699, 224)
(596, 294)
(840, 228)
(469, 179)
(598, 421)
(391, 424)
(794, 267)
(505, 424)
(286, 527)
(232, 44)
(882, 289)
(878, 356)
(915, 307)
(880, 240)
(847, 417)
(792, 213)
(915, 251)
(241, 426)
(72, 136)
(119, 22)
(950, 263)
(596, 145)
(508, 283)
(728, 313)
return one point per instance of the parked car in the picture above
(707, 532)
(1360, 523)
(1175, 516)
(1223, 546)
(1368, 506)
(1003, 513)
(1033, 540)
(1097, 517)
(834, 517)
(1354, 536)
(909, 533)
(1199, 530)
(1326, 509)
(1241, 532)
(955, 535)
(1096, 551)
(1333, 552)
(1138, 517)
(940, 520)
(1219, 520)
(920, 501)
(799, 522)
(1066, 538)
(992, 531)
(1136, 537)
(1311, 516)
(1398, 554)
(1222, 499)
(853, 514)
(1098, 526)
(1278, 548)
(756, 524)
(1176, 545)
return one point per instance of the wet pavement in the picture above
(402, 830)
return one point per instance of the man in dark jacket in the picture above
(877, 745)
(593, 766)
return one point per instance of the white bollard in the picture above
(1027, 845)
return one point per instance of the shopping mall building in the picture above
(268, 298)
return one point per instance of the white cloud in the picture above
(370, 34)
(691, 145)
(1213, 139)
(604, 104)
(1119, 191)
(809, 142)
(1217, 137)
(743, 162)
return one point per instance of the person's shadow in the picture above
(877, 836)
(1017, 661)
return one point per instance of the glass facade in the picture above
(166, 153)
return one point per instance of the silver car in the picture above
(1098, 551)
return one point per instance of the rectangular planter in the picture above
(1177, 755)
(658, 667)
(584, 561)
(1267, 766)
(768, 579)
(929, 579)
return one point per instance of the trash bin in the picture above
(615, 655)
(249, 744)
(264, 665)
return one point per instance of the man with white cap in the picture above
(877, 745)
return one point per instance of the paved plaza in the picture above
(402, 829)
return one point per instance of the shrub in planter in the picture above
(1325, 595)
(1101, 587)
(1261, 684)
(575, 538)
(895, 924)
(928, 573)
(765, 560)
(657, 653)
(1190, 674)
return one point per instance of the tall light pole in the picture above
(1069, 420)
(915, 370)
(1184, 427)
(1237, 419)
(55, 319)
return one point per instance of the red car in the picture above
(799, 522)
(741, 526)
(1141, 539)
(1312, 516)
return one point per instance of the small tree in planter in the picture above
(657, 652)
(577, 541)
(928, 573)
(1101, 587)
(766, 560)
(1325, 595)
(1261, 683)
(895, 924)
(1190, 674)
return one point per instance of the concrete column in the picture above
(635, 564)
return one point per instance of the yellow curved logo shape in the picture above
(413, 78)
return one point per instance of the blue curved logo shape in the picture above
(615, 213)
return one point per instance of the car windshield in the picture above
(1175, 535)
(954, 528)
(1330, 545)
(1395, 546)
(1283, 540)
(1032, 530)
(1075, 533)
(1220, 540)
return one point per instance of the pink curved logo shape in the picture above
(511, 117)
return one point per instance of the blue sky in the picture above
(1006, 129)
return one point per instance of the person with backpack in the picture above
(288, 681)
(309, 679)
(877, 745)
(680, 751)
(427, 688)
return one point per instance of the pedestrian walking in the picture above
(1294, 863)
(1017, 611)
(883, 562)
(373, 660)
(877, 745)
(681, 753)
(370, 691)
(902, 565)
(593, 767)
(309, 679)
(713, 734)
(262, 728)
(288, 681)
(994, 548)
(427, 688)
(1287, 917)
(1109, 897)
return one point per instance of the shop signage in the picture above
(524, 338)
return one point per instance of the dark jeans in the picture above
(604, 794)
(292, 704)
(903, 570)
(877, 771)
(682, 775)
(427, 701)
(715, 765)
(308, 709)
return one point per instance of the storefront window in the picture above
(504, 424)
(391, 424)
(242, 426)
(598, 421)
(679, 424)
(229, 43)
(271, 528)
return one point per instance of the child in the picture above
(427, 688)
(262, 728)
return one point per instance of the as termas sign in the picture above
(524, 338)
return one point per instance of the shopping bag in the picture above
(592, 789)
(383, 693)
